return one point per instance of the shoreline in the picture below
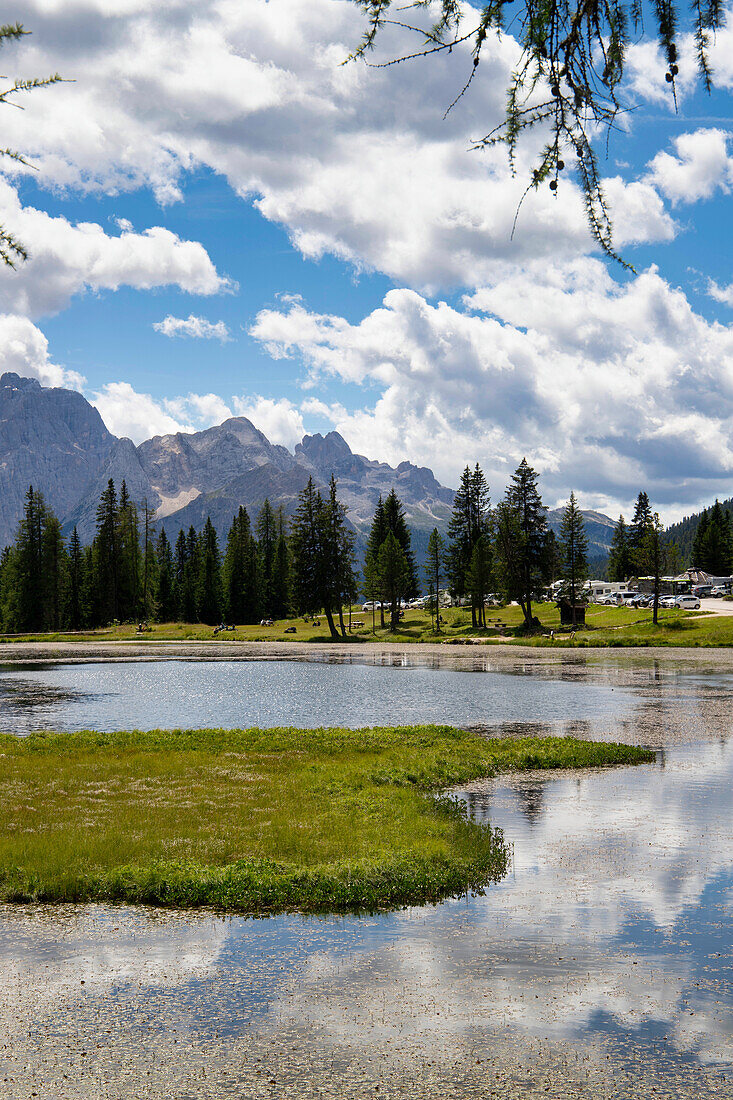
(439, 653)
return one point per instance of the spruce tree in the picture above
(524, 566)
(107, 556)
(75, 600)
(638, 530)
(281, 573)
(478, 578)
(377, 535)
(468, 523)
(128, 569)
(339, 554)
(574, 548)
(267, 535)
(651, 558)
(395, 576)
(394, 517)
(53, 566)
(209, 594)
(434, 570)
(189, 598)
(619, 558)
(180, 557)
(241, 572)
(165, 590)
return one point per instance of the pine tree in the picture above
(574, 547)
(281, 573)
(75, 600)
(165, 591)
(377, 535)
(241, 572)
(394, 518)
(28, 603)
(267, 535)
(651, 558)
(305, 549)
(530, 555)
(395, 576)
(339, 554)
(106, 556)
(128, 569)
(180, 557)
(53, 566)
(188, 599)
(209, 595)
(468, 523)
(149, 568)
(638, 531)
(478, 578)
(434, 567)
(713, 543)
(619, 558)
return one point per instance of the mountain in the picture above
(52, 439)
(56, 441)
(598, 528)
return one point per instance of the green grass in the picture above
(605, 626)
(258, 820)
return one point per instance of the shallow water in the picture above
(155, 694)
(601, 966)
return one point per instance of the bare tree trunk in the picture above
(331, 624)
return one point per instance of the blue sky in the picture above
(319, 249)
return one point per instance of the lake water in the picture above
(307, 693)
(602, 966)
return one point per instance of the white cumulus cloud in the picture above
(67, 259)
(352, 160)
(605, 388)
(24, 351)
(193, 326)
(280, 420)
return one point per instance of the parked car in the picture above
(371, 605)
(720, 590)
(687, 603)
(668, 601)
(702, 590)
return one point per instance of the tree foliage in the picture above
(11, 249)
(574, 550)
(569, 76)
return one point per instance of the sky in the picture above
(224, 219)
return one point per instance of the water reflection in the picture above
(601, 965)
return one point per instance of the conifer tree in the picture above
(106, 556)
(377, 535)
(209, 595)
(339, 554)
(395, 576)
(574, 548)
(281, 573)
(128, 570)
(434, 567)
(267, 534)
(478, 578)
(165, 591)
(180, 557)
(651, 558)
(188, 599)
(468, 523)
(521, 549)
(241, 572)
(394, 517)
(53, 575)
(713, 543)
(75, 600)
(619, 558)
(638, 531)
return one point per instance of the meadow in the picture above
(259, 821)
(605, 626)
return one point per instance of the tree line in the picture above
(710, 542)
(270, 568)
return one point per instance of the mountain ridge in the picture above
(54, 439)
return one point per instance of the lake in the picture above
(601, 965)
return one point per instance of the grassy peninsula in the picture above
(258, 820)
